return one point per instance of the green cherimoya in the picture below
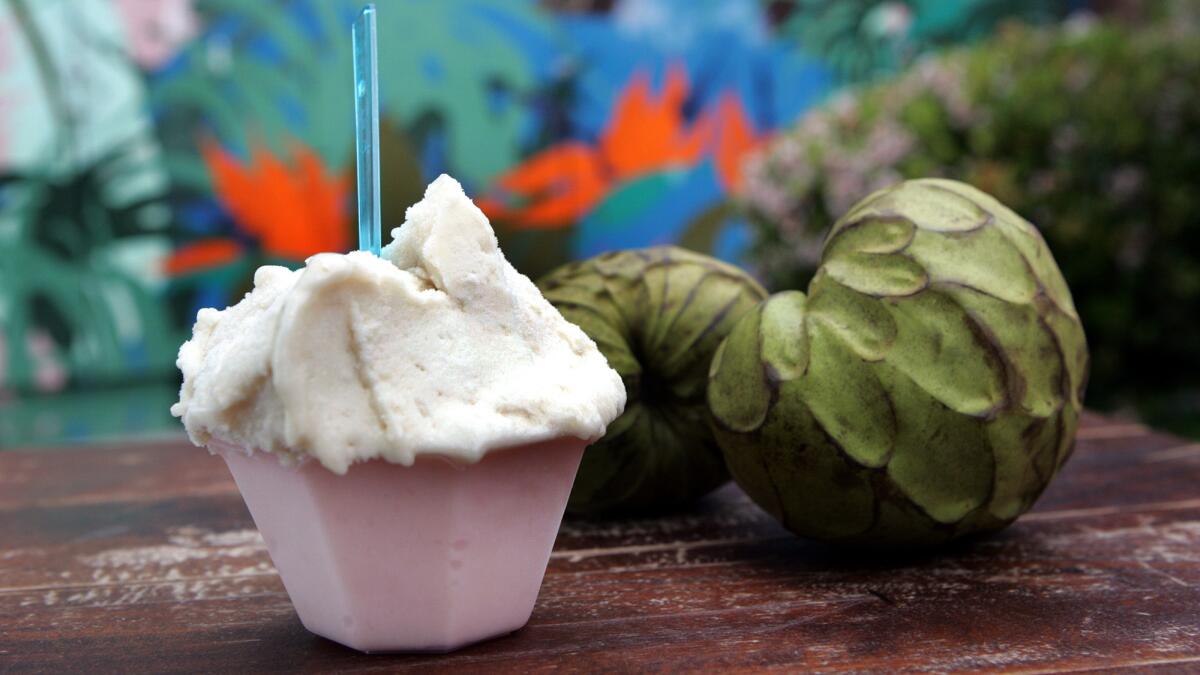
(657, 315)
(927, 387)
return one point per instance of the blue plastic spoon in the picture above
(366, 127)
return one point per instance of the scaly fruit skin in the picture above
(657, 315)
(928, 386)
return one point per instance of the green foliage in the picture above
(927, 387)
(1090, 131)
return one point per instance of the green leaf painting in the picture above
(83, 224)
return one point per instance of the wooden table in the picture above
(143, 558)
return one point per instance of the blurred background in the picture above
(153, 153)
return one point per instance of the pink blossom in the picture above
(1125, 182)
(49, 374)
(1043, 182)
(1065, 139)
(157, 29)
(891, 19)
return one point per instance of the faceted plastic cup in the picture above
(423, 558)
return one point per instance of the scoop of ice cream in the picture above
(438, 347)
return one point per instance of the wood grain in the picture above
(143, 558)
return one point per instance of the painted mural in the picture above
(153, 153)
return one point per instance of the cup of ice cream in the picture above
(404, 429)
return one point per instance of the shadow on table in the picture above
(1007, 556)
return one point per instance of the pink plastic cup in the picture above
(424, 558)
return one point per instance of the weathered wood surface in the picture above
(143, 558)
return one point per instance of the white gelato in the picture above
(439, 347)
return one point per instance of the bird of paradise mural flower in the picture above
(647, 132)
(288, 209)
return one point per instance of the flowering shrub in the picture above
(1090, 131)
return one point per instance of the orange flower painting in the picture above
(293, 210)
(646, 132)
